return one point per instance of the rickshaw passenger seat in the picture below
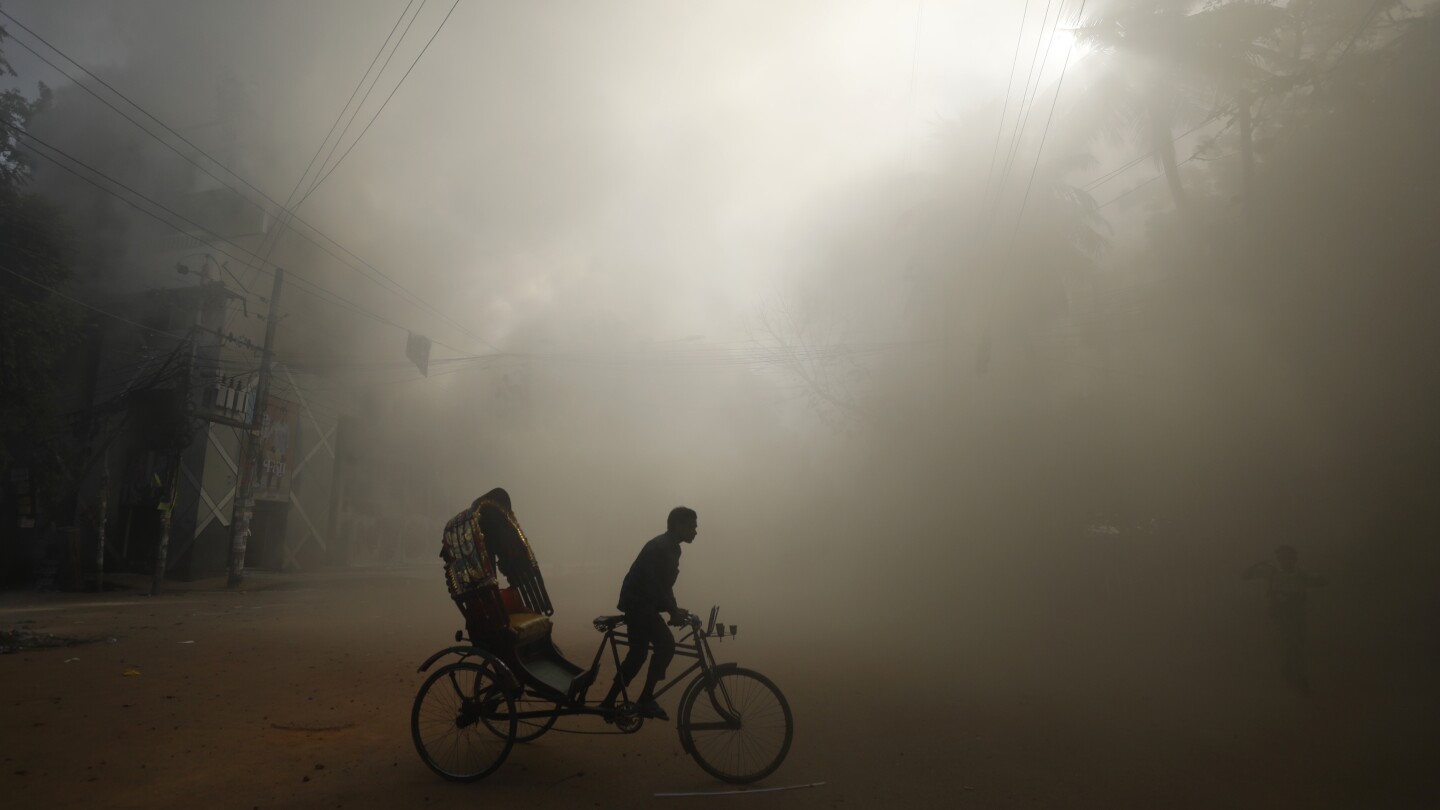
(529, 627)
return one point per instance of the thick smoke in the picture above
(776, 263)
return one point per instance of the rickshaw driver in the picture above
(648, 590)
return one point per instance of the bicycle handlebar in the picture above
(690, 619)
(715, 628)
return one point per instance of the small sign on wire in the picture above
(417, 350)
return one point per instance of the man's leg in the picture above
(660, 658)
(1292, 643)
(636, 628)
(663, 644)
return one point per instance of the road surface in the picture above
(296, 692)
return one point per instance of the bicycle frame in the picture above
(693, 644)
(698, 648)
(481, 688)
(510, 670)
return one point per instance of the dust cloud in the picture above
(963, 411)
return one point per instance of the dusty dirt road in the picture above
(296, 692)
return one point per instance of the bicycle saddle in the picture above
(606, 623)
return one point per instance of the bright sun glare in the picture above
(1066, 41)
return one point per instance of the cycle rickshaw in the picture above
(511, 684)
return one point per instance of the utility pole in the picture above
(167, 509)
(1247, 154)
(250, 445)
(100, 531)
(167, 516)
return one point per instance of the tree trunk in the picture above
(1247, 153)
(1163, 142)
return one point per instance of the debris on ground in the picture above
(13, 641)
(737, 792)
(312, 726)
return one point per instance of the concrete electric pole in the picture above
(250, 446)
(167, 508)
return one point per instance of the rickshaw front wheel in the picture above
(458, 714)
(736, 725)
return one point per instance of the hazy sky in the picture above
(642, 162)
(578, 177)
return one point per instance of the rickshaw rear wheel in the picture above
(737, 725)
(453, 719)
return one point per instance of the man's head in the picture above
(682, 523)
(1287, 556)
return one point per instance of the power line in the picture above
(405, 293)
(122, 113)
(983, 350)
(1141, 185)
(1023, 111)
(1005, 107)
(1101, 180)
(289, 214)
(336, 145)
(1021, 118)
(90, 307)
(662, 359)
(383, 104)
(1113, 173)
(1144, 183)
(301, 283)
(1045, 133)
(316, 184)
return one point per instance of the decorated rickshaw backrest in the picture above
(486, 534)
(469, 565)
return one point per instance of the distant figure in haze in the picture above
(647, 590)
(1287, 590)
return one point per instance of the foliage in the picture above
(37, 326)
(1176, 65)
(1273, 373)
(1287, 356)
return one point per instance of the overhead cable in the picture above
(90, 307)
(1044, 133)
(301, 283)
(1005, 107)
(383, 104)
(399, 289)
(287, 213)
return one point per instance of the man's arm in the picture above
(664, 581)
(1260, 570)
(656, 578)
(664, 570)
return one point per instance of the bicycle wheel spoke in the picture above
(738, 728)
(462, 723)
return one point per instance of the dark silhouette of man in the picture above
(1287, 591)
(647, 591)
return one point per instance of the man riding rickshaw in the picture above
(508, 683)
